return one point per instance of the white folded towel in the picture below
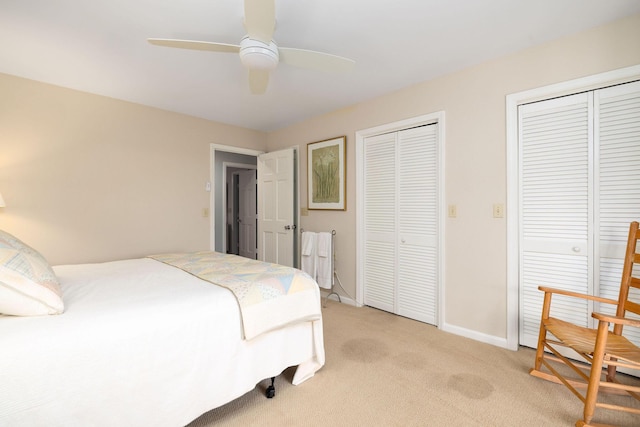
(308, 261)
(323, 264)
(308, 242)
(324, 244)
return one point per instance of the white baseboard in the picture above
(456, 330)
(475, 335)
(343, 299)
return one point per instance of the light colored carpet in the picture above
(386, 370)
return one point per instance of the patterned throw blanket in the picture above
(269, 295)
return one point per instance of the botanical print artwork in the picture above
(326, 172)
(326, 175)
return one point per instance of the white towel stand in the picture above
(333, 267)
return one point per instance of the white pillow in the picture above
(28, 285)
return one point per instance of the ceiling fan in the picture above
(258, 52)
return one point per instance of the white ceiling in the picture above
(100, 46)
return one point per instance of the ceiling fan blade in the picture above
(315, 60)
(260, 19)
(258, 81)
(196, 45)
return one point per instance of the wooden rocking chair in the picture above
(600, 347)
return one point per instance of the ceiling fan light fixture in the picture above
(255, 54)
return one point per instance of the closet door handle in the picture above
(402, 240)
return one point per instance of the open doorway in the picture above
(240, 210)
(284, 236)
(223, 161)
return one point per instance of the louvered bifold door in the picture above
(380, 225)
(417, 223)
(555, 199)
(617, 133)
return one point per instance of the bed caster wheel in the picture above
(271, 390)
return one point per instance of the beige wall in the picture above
(88, 178)
(475, 166)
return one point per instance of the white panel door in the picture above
(617, 134)
(554, 204)
(579, 189)
(417, 217)
(276, 225)
(400, 222)
(380, 202)
(247, 214)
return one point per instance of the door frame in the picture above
(610, 78)
(427, 119)
(212, 187)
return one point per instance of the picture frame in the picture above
(326, 174)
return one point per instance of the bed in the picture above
(146, 342)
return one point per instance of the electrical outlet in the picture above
(498, 211)
(205, 212)
(452, 211)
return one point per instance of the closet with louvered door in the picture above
(400, 256)
(579, 190)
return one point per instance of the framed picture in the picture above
(326, 174)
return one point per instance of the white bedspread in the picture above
(140, 344)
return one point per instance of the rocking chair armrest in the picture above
(577, 295)
(616, 319)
